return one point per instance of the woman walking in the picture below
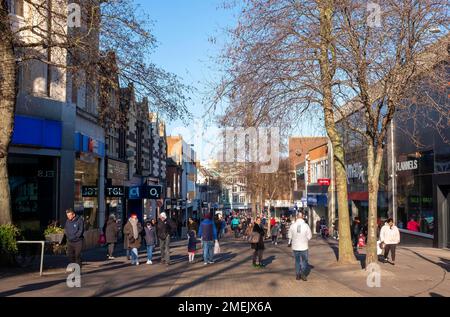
(132, 232)
(259, 246)
(389, 237)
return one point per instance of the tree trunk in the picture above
(7, 106)
(373, 173)
(346, 254)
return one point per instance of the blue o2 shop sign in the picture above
(144, 192)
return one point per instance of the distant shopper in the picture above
(150, 239)
(164, 228)
(413, 225)
(235, 226)
(299, 236)
(192, 225)
(208, 234)
(74, 230)
(259, 246)
(275, 231)
(389, 237)
(192, 245)
(132, 232)
(111, 235)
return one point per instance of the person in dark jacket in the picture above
(208, 233)
(74, 230)
(111, 234)
(192, 245)
(192, 225)
(258, 247)
(164, 229)
(132, 232)
(150, 239)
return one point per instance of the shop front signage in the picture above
(324, 181)
(407, 165)
(89, 191)
(115, 191)
(145, 192)
(45, 174)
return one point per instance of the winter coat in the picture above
(128, 233)
(207, 230)
(74, 229)
(275, 230)
(193, 226)
(260, 244)
(111, 231)
(150, 236)
(356, 229)
(390, 235)
(165, 228)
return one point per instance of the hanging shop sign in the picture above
(115, 191)
(89, 191)
(407, 165)
(324, 181)
(145, 192)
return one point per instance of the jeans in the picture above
(134, 255)
(208, 251)
(301, 262)
(150, 252)
(164, 246)
(258, 254)
(74, 252)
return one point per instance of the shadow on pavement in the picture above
(31, 287)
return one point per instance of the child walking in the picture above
(192, 245)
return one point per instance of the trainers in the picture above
(206, 263)
(210, 262)
(111, 258)
(137, 263)
(303, 277)
(149, 262)
(276, 243)
(261, 266)
(255, 265)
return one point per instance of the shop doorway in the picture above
(444, 211)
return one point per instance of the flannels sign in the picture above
(407, 165)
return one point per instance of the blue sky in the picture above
(183, 29)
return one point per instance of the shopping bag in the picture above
(216, 247)
(379, 248)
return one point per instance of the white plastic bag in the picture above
(216, 247)
(379, 249)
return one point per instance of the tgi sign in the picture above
(115, 191)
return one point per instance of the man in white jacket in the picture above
(299, 236)
(390, 237)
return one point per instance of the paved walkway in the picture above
(418, 272)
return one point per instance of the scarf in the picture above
(134, 223)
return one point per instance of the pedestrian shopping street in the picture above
(418, 272)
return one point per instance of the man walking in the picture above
(299, 236)
(74, 230)
(208, 234)
(164, 228)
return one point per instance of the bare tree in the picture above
(73, 40)
(280, 65)
(381, 65)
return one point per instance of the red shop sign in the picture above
(324, 181)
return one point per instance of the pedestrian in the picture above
(259, 246)
(355, 231)
(299, 236)
(275, 230)
(235, 226)
(74, 231)
(208, 234)
(111, 235)
(413, 225)
(150, 239)
(192, 245)
(179, 226)
(389, 237)
(218, 224)
(283, 228)
(132, 232)
(164, 228)
(192, 225)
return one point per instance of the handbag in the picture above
(216, 247)
(254, 237)
(101, 239)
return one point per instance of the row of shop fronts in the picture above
(49, 174)
(414, 186)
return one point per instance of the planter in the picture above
(54, 237)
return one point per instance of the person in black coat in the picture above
(258, 247)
